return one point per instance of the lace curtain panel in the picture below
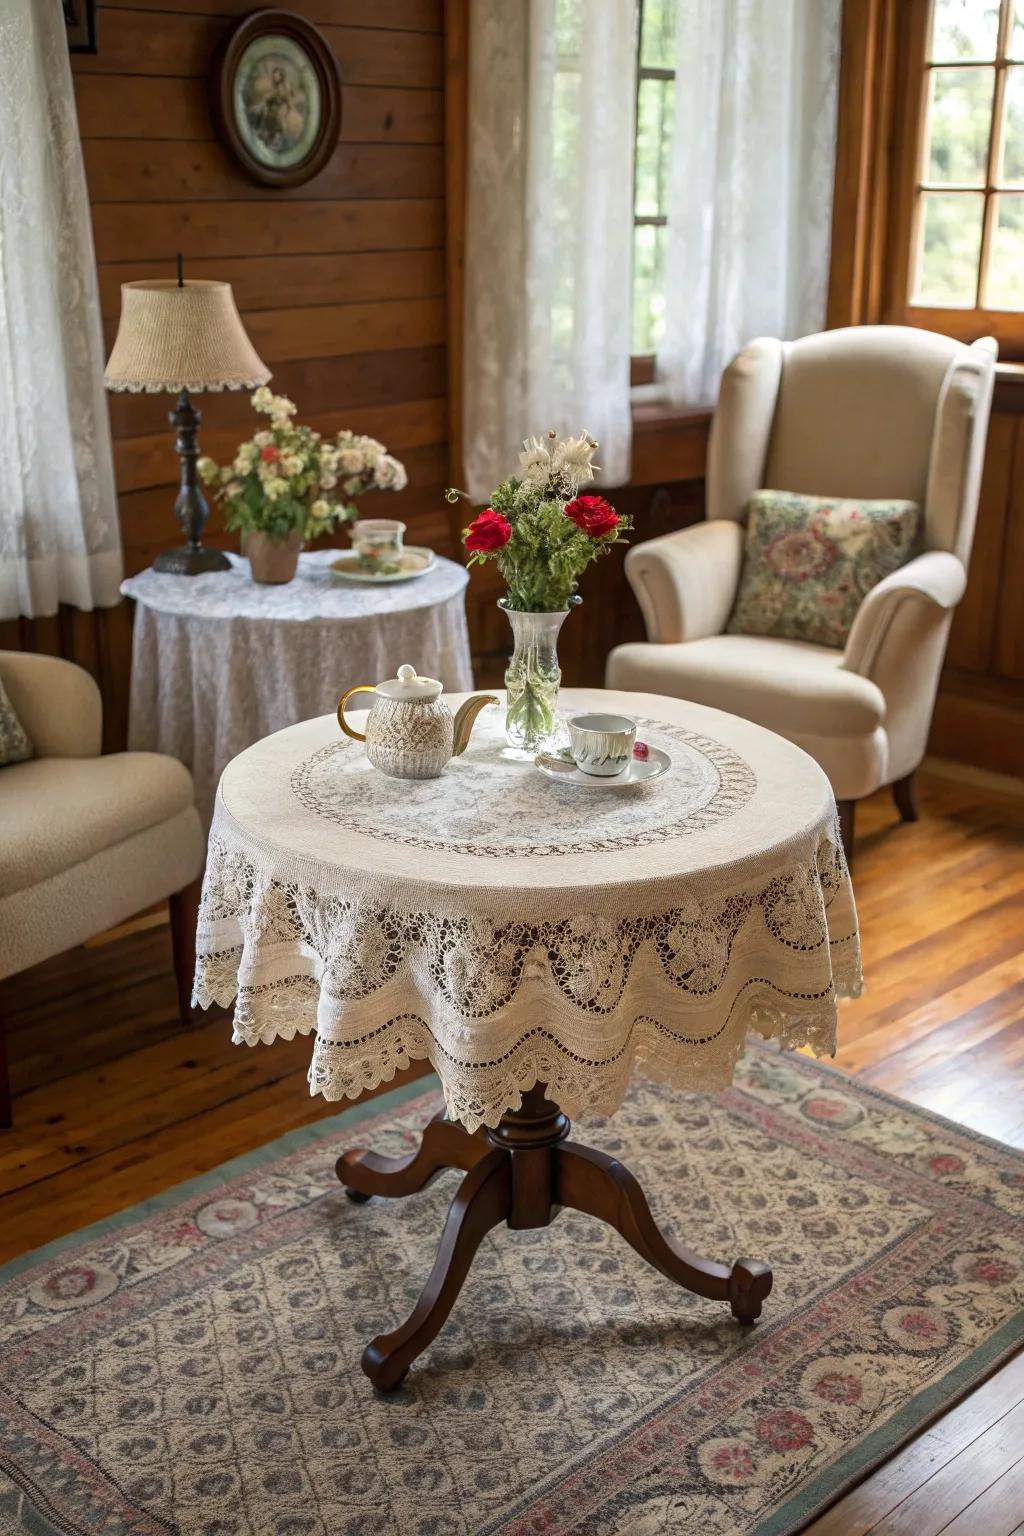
(750, 189)
(552, 105)
(59, 536)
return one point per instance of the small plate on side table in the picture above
(412, 562)
(560, 766)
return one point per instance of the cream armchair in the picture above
(873, 411)
(87, 840)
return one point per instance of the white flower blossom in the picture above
(281, 408)
(328, 481)
(262, 439)
(372, 451)
(574, 455)
(261, 399)
(390, 474)
(535, 462)
(352, 461)
(274, 487)
(245, 458)
(321, 510)
(292, 464)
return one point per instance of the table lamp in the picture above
(183, 337)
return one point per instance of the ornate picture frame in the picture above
(277, 98)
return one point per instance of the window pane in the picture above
(964, 29)
(658, 39)
(959, 124)
(1004, 288)
(949, 246)
(1012, 172)
(1016, 43)
(568, 26)
(648, 288)
(653, 145)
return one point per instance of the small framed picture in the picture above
(277, 98)
(80, 20)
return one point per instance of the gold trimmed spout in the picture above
(465, 720)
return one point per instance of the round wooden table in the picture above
(536, 942)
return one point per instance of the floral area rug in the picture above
(192, 1365)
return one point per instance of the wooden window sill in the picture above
(669, 444)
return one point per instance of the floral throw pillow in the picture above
(15, 746)
(810, 561)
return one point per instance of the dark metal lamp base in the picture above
(191, 562)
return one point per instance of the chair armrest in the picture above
(57, 703)
(685, 582)
(936, 580)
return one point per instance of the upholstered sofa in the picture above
(86, 840)
(867, 412)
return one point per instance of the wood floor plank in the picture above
(949, 1492)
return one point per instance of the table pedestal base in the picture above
(521, 1173)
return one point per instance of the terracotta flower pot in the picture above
(272, 562)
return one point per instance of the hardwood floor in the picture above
(115, 1101)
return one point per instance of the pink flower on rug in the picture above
(839, 1387)
(729, 1461)
(993, 1271)
(785, 1430)
(946, 1162)
(921, 1325)
(71, 1283)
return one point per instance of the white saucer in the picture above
(413, 561)
(639, 770)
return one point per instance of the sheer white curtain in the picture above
(59, 537)
(750, 199)
(548, 230)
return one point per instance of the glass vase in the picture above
(533, 677)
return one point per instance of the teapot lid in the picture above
(408, 685)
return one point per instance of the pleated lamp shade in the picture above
(175, 337)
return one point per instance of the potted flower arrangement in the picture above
(287, 484)
(541, 534)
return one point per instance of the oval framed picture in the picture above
(277, 98)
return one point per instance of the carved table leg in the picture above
(445, 1144)
(522, 1173)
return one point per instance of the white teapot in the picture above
(410, 732)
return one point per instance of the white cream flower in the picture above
(262, 439)
(281, 407)
(372, 450)
(291, 464)
(274, 488)
(352, 461)
(207, 469)
(574, 455)
(234, 488)
(328, 481)
(321, 510)
(390, 474)
(245, 458)
(261, 399)
(535, 462)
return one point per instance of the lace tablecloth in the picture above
(219, 661)
(516, 930)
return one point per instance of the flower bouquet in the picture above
(287, 484)
(541, 534)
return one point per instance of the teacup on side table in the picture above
(601, 745)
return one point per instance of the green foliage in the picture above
(547, 553)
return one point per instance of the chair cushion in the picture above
(57, 811)
(810, 561)
(15, 746)
(786, 685)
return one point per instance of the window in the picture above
(963, 233)
(655, 107)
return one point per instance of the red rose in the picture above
(487, 533)
(593, 515)
(268, 454)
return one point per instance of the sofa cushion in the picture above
(57, 811)
(810, 561)
(15, 746)
(790, 687)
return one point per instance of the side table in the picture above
(219, 661)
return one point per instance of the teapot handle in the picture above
(360, 688)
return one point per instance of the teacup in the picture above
(601, 745)
(377, 541)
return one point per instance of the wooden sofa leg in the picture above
(904, 792)
(184, 909)
(846, 809)
(6, 1112)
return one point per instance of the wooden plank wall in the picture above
(340, 282)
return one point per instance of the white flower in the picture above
(328, 482)
(274, 487)
(261, 400)
(321, 510)
(352, 461)
(328, 457)
(245, 458)
(573, 455)
(281, 408)
(262, 440)
(535, 462)
(291, 464)
(234, 488)
(207, 469)
(372, 451)
(390, 474)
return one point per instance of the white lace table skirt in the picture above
(209, 680)
(515, 932)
